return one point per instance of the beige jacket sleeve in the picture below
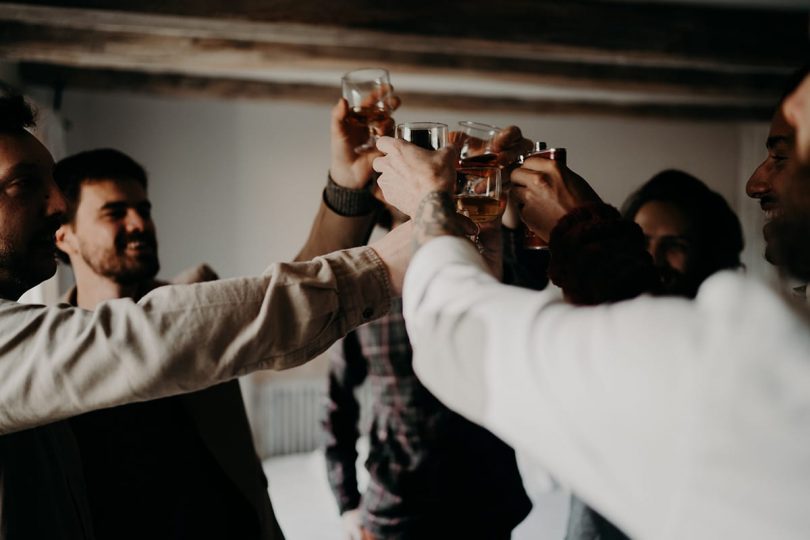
(57, 362)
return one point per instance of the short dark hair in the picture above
(16, 113)
(101, 164)
(715, 228)
(793, 81)
(93, 165)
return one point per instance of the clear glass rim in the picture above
(366, 75)
(421, 125)
(478, 125)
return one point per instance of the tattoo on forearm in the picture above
(435, 216)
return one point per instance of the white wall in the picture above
(236, 183)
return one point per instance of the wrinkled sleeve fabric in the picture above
(572, 387)
(57, 362)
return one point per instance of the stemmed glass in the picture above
(478, 194)
(368, 92)
(476, 143)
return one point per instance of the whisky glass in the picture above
(427, 135)
(475, 140)
(368, 92)
(478, 193)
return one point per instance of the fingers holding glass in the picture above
(532, 241)
(409, 172)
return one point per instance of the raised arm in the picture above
(348, 210)
(59, 362)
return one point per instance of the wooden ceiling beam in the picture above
(216, 56)
(675, 55)
(185, 86)
(725, 35)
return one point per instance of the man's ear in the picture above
(65, 239)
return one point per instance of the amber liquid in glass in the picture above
(369, 116)
(478, 209)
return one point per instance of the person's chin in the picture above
(771, 250)
(143, 268)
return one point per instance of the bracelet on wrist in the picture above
(348, 202)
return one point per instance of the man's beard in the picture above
(17, 274)
(789, 235)
(21, 270)
(791, 245)
(122, 268)
(770, 231)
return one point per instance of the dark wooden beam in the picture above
(724, 34)
(190, 86)
(686, 53)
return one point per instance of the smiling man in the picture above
(770, 176)
(109, 236)
(178, 467)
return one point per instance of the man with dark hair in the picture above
(177, 467)
(60, 362)
(127, 254)
(26, 232)
(767, 182)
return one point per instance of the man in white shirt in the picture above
(674, 419)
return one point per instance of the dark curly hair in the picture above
(714, 228)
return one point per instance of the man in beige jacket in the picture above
(60, 362)
(177, 467)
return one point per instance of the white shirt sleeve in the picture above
(591, 393)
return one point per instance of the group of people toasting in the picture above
(669, 395)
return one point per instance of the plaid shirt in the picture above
(431, 472)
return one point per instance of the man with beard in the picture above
(177, 467)
(673, 418)
(58, 362)
(769, 178)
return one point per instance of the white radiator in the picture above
(287, 414)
